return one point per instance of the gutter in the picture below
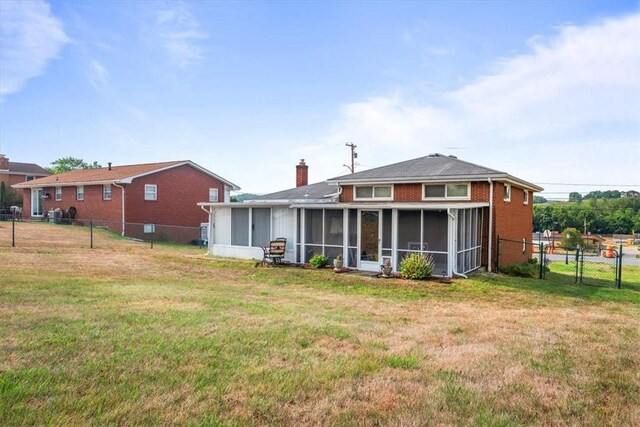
(123, 192)
(212, 225)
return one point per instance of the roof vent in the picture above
(433, 155)
(452, 156)
(109, 165)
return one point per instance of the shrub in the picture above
(417, 266)
(526, 269)
(318, 260)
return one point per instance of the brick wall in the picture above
(179, 191)
(92, 207)
(512, 220)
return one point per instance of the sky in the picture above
(546, 91)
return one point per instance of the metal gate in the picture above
(584, 266)
(600, 268)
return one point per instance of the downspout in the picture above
(490, 254)
(453, 270)
(211, 227)
(123, 221)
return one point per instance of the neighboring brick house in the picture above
(155, 193)
(15, 172)
(437, 205)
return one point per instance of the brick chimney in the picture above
(302, 174)
(4, 162)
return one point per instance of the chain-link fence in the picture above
(64, 232)
(562, 263)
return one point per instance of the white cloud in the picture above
(30, 36)
(98, 75)
(178, 33)
(577, 92)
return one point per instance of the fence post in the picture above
(13, 232)
(619, 278)
(91, 233)
(541, 252)
(498, 255)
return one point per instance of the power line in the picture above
(592, 185)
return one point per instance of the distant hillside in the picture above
(243, 196)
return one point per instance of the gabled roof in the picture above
(27, 169)
(116, 174)
(319, 190)
(434, 167)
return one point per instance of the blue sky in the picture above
(547, 91)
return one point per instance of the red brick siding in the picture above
(179, 191)
(93, 207)
(347, 194)
(512, 220)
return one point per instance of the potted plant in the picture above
(338, 263)
(386, 268)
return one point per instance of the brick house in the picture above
(144, 194)
(437, 205)
(15, 172)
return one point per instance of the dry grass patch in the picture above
(128, 335)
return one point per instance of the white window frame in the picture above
(106, 191)
(148, 189)
(507, 193)
(526, 197)
(446, 196)
(213, 195)
(58, 194)
(80, 192)
(373, 192)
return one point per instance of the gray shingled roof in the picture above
(315, 191)
(28, 169)
(433, 166)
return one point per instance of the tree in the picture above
(571, 238)
(575, 197)
(66, 164)
(539, 199)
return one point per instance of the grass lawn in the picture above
(124, 334)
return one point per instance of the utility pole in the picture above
(354, 156)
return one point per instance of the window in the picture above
(30, 178)
(106, 192)
(149, 228)
(80, 192)
(150, 192)
(526, 197)
(370, 192)
(507, 192)
(447, 191)
(213, 194)
(58, 193)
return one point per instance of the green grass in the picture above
(131, 335)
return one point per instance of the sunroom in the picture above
(366, 236)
